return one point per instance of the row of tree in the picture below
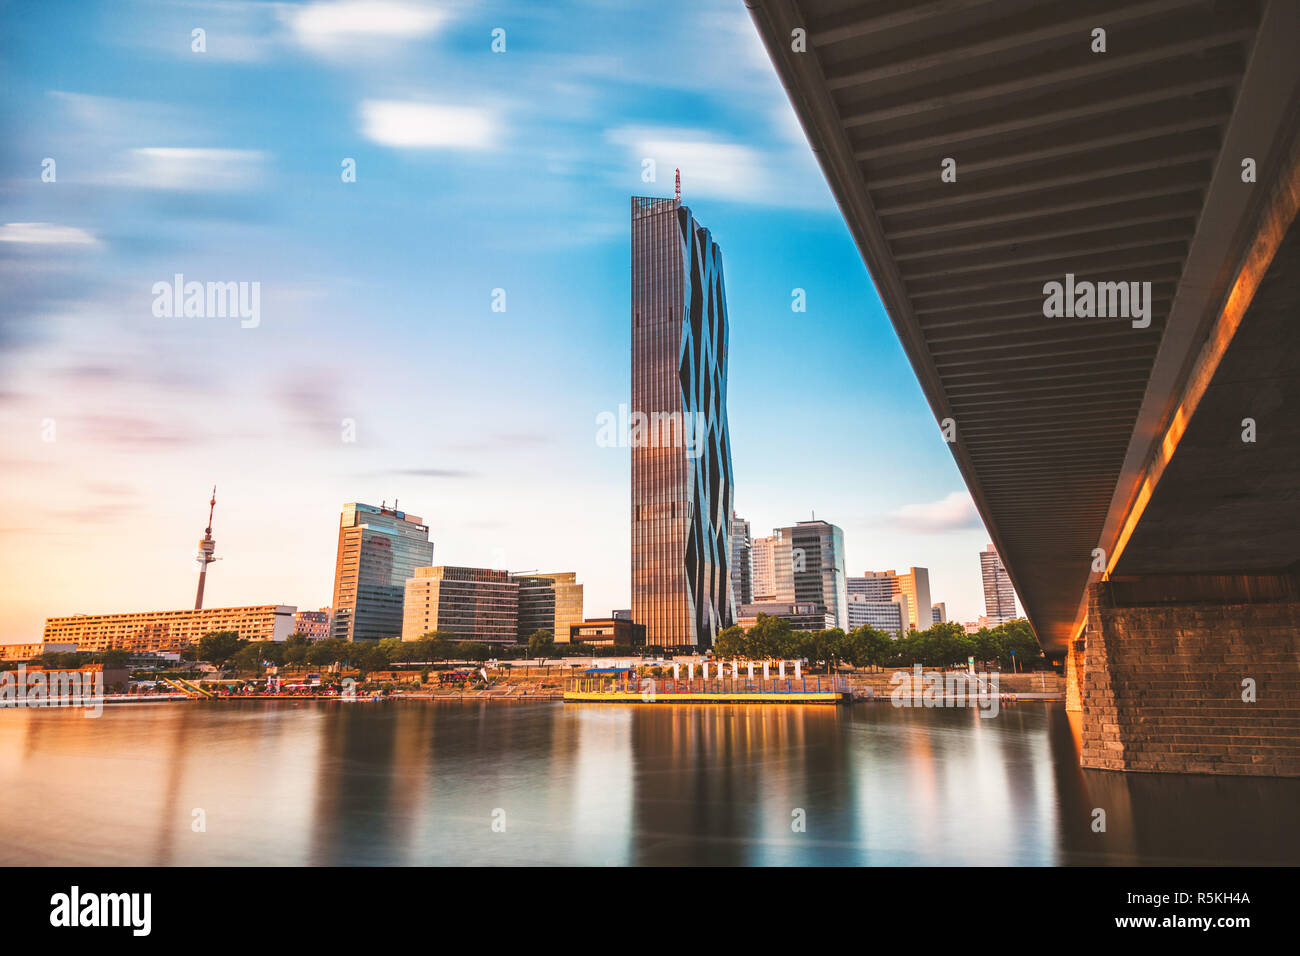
(941, 645)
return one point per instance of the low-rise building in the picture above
(607, 631)
(313, 625)
(25, 652)
(802, 617)
(169, 630)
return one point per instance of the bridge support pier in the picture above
(1193, 674)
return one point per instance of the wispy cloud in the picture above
(953, 512)
(360, 26)
(196, 170)
(45, 234)
(415, 125)
(710, 167)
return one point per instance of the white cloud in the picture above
(953, 512)
(191, 169)
(710, 168)
(360, 25)
(415, 125)
(45, 234)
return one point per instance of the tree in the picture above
(114, 658)
(541, 644)
(731, 642)
(219, 646)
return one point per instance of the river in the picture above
(332, 783)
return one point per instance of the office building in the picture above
(147, 631)
(773, 578)
(681, 447)
(379, 550)
(548, 602)
(313, 625)
(939, 613)
(888, 616)
(914, 586)
(742, 564)
(465, 604)
(606, 632)
(999, 595)
(802, 617)
(817, 567)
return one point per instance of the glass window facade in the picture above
(681, 489)
(379, 550)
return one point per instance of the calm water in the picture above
(418, 783)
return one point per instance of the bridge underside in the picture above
(1138, 474)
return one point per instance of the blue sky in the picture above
(475, 170)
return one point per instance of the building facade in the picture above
(25, 652)
(773, 569)
(607, 631)
(548, 602)
(817, 567)
(742, 563)
(169, 630)
(939, 612)
(888, 616)
(914, 587)
(681, 495)
(313, 625)
(802, 617)
(379, 550)
(999, 594)
(471, 604)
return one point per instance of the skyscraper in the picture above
(773, 569)
(742, 564)
(681, 448)
(817, 558)
(379, 550)
(999, 594)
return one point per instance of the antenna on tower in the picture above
(677, 188)
(206, 548)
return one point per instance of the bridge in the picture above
(1080, 217)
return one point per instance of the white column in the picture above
(765, 664)
(735, 669)
(780, 669)
(690, 670)
(751, 670)
(796, 669)
(677, 671)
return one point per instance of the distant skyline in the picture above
(475, 171)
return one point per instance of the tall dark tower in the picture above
(681, 496)
(206, 548)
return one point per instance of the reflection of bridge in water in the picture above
(1138, 478)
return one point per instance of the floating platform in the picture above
(626, 689)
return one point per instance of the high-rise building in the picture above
(681, 447)
(773, 569)
(939, 612)
(817, 566)
(999, 594)
(379, 550)
(473, 604)
(548, 602)
(742, 564)
(913, 587)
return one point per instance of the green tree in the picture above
(541, 644)
(731, 642)
(219, 646)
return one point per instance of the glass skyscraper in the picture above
(681, 448)
(379, 550)
(817, 549)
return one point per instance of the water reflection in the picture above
(330, 783)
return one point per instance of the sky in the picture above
(446, 329)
